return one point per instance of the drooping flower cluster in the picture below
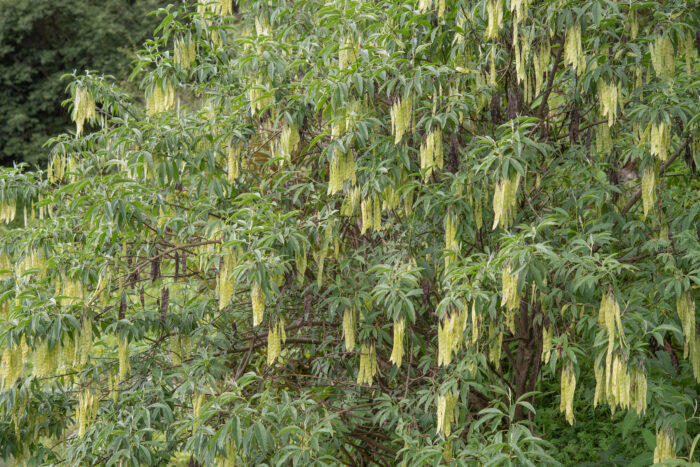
(397, 350)
(573, 50)
(401, 118)
(510, 298)
(505, 200)
(665, 445)
(649, 181)
(431, 153)
(446, 413)
(276, 336)
(83, 108)
(660, 140)
(342, 168)
(8, 210)
(450, 332)
(226, 282)
(494, 11)
(184, 54)
(608, 98)
(568, 387)
(258, 300)
(349, 325)
(160, 98)
(368, 365)
(662, 55)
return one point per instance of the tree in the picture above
(41, 41)
(366, 233)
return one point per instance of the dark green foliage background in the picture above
(42, 40)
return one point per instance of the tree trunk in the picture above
(529, 354)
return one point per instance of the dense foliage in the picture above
(366, 233)
(42, 40)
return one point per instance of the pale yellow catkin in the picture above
(573, 49)
(226, 282)
(342, 168)
(495, 344)
(368, 365)
(665, 445)
(475, 324)
(228, 459)
(568, 387)
(233, 162)
(398, 350)
(662, 56)
(347, 54)
(446, 408)
(184, 53)
(198, 400)
(547, 333)
(401, 118)
(639, 390)
(505, 200)
(451, 243)
(494, 12)
(276, 336)
(84, 346)
(510, 298)
(446, 334)
(258, 301)
(83, 108)
(349, 325)
(8, 210)
(301, 263)
(123, 353)
(608, 100)
(88, 405)
(685, 307)
(160, 98)
(660, 140)
(217, 7)
(649, 181)
(431, 153)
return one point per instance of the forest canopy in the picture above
(365, 233)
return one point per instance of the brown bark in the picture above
(529, 353)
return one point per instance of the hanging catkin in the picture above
(446, 406)
(546, 343)
(349, 324)
(276, 336)
(573, 50)
(368, 365)
(662, 56)
(83, 108)
(510, 299)
(184, 54)
(665, 445)
(258, 300)
(505, 200)
(494, 12)
(649, 180)
(685, 307)
(431, 153)
(568, 387)
(233, 162)
(123, 352)
(660, 140)
(160, 98)
(398, 350)
(401, 118)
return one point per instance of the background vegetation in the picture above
(42, 40)
(366, 233)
